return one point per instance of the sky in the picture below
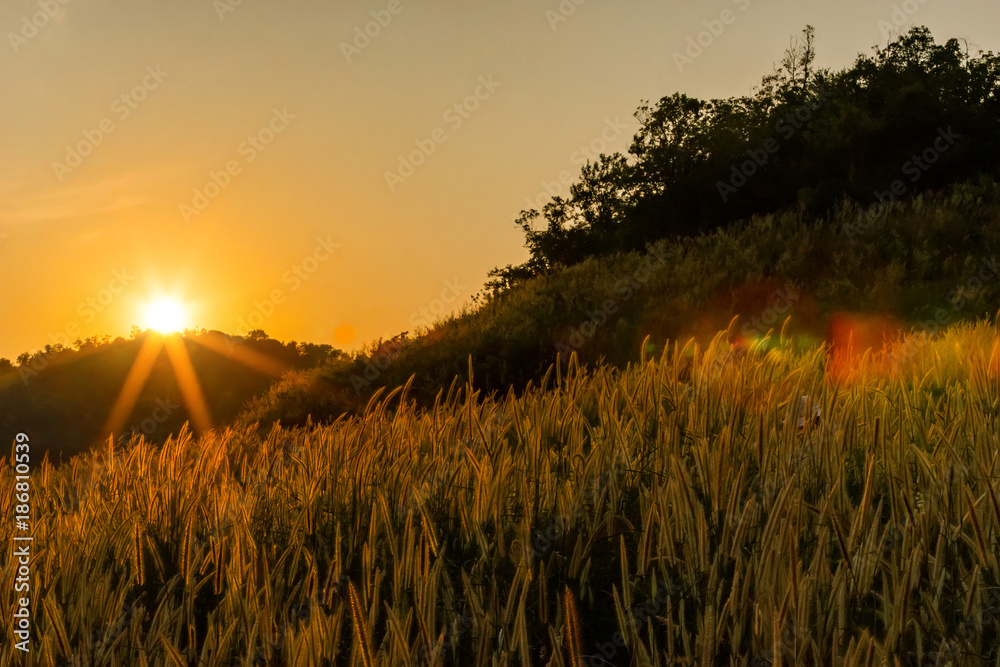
(339, 172)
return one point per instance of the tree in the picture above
(807, 138)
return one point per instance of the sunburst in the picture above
(165, 315)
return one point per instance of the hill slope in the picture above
(923, 262)
(64, 397)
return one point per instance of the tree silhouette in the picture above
(807, 138)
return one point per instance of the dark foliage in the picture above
(63, 397)
(806, 139)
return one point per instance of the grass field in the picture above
(710, 505)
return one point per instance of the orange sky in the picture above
(235, 155)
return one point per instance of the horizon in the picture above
(249, 185)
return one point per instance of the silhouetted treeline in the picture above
(913, 116)
(63, 397)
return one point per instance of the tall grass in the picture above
(689, 509)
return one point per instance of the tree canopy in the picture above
(913, 115)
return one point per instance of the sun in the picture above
(165, 315)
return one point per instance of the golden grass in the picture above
(693, 519)
(574, 638)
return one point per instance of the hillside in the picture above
(921, 263)
(65, 397)
(709, 506)
(860, 202)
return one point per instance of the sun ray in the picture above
(243, 354)
(187, 380)
(129, 395)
